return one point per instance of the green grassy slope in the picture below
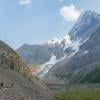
(79, 95)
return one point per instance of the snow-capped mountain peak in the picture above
(86, 22)
(62, 41)
(56, 49)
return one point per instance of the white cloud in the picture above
(70, 13)
(25, 2)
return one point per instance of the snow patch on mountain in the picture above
(85, 52)
(67, 42)
(63, 41)
(47, 66)
(75, 45)
(67, 39)
(54, 41)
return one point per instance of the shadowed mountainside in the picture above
(16, 79)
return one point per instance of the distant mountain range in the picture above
(72, 59)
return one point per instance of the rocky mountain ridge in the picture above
(66, 50)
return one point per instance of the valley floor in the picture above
(79, 94)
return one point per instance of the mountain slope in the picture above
(37, 56)
(78, 67)
(76, 55)
(88, 20)
(21, 88)
(40, 54)
(17, 79)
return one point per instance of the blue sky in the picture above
(36, 21)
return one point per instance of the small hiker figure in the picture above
(12, 84)
(1, 85)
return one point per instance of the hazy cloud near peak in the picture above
(61, 0)
(25, 2)
(70, 13)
